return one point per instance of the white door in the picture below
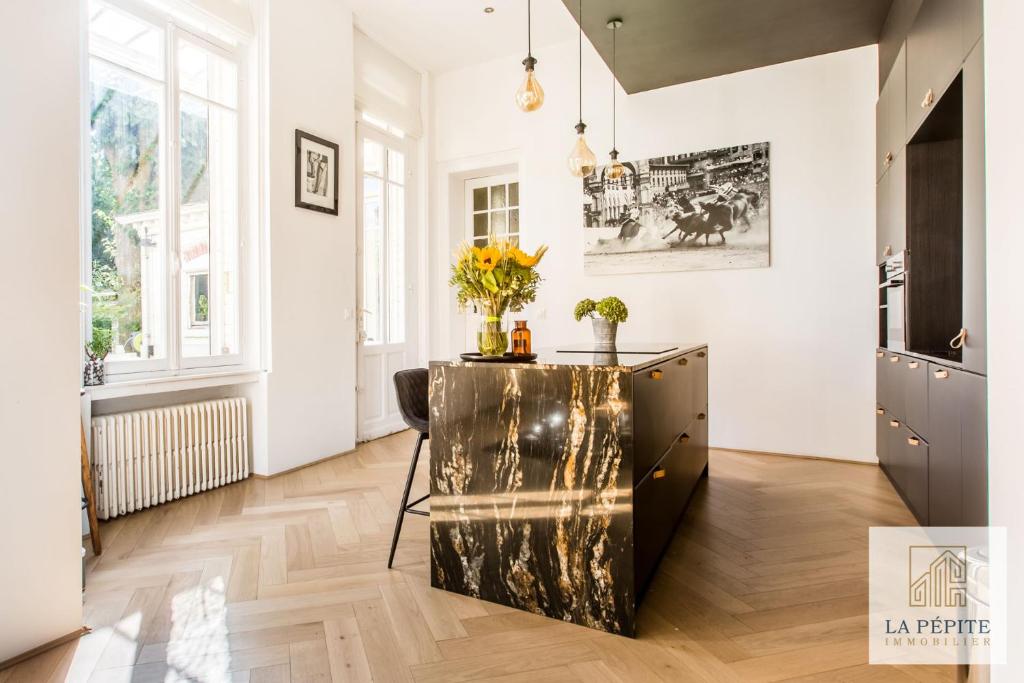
(387, 273)
(492, 208)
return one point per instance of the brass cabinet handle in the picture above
(957, 342)
(929, 99)
(701, 416)
(887, 251)
(683, 438)
(878, 354)
(913, 441)
(913, 365)
(879, 411)
(894, 359)
(658, 473)
(656, 374)
(683, 361)
(701, 354)
(894, 423)
(941, 374)
(888, 159)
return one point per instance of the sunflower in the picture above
(487, 258)
(524, 259)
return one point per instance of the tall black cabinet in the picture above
(931, 410)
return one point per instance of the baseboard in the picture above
(302, 467)
(18, 659)
(846, 461)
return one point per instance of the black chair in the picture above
(411, 387)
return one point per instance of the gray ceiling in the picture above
(664, 42)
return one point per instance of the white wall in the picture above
(1004, 147)
(40, 573)
(791, 346)
(310, 389)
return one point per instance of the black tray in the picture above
(507, 358)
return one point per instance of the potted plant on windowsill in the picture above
(96, 349)
(493, 279)
(605, 316)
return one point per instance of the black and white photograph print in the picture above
(704, 210)
(316, 173)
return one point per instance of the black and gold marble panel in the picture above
(531, 489)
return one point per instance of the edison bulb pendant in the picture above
(530, 96)
(615, 168)
(582, 161)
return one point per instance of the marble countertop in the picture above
(627, 356)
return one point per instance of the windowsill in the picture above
(161, 385)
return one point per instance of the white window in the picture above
(165, 192)
(492, 208)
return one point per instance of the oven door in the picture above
(895, 320)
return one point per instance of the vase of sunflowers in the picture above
(493, 279)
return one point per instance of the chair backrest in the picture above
(411, 390)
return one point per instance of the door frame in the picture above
(409, 147)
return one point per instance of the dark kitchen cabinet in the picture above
(935, 50)
(664, 407)
(882, 436)
(973, 314)
(974, 450)
(897, 466)
(914, 379)
(894, 370)
(945, 481)
(916, 472)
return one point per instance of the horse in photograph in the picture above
(722, 216)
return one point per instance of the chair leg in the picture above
(405, 496)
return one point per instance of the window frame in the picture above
(176, 321)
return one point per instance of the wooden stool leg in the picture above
(90, 496)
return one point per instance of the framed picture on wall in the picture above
(316, 173)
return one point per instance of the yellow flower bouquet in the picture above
(493, 279)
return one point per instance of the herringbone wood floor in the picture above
(285, 580)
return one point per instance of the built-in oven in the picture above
(892, 318)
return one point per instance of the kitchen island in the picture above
(557, 484)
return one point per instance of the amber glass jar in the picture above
(521, 339)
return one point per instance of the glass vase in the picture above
(491, 337)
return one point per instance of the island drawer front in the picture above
(660, 500)
(665, 401)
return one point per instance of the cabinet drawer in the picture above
(882, 436)
(893, 386)
(660, 500)
(915, 465)
(915, 393)
(662, 407)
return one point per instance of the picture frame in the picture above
(316, 173)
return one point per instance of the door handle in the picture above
(894, 359)
(929, 99)
(657, 374)
(894, 423)
(683, 361)
(683, 438)
(659, 473)
(878, 354)
(941, 374)
(957, 342)
(913, 441)
(879, 411)
(913, 365)
(701, 416)
(701, 354)
(887, 160)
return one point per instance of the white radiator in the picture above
(148, 457)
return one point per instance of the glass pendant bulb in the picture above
(530, 96)
(582, 161)
(615, 169)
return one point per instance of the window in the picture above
(165, 220)
(383, 240)
(494, 209)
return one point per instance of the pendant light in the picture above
(529, 96)
(582, 161)
(615, 168)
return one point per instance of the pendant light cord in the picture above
(581, 60)
(614, 31)
(529, 43)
